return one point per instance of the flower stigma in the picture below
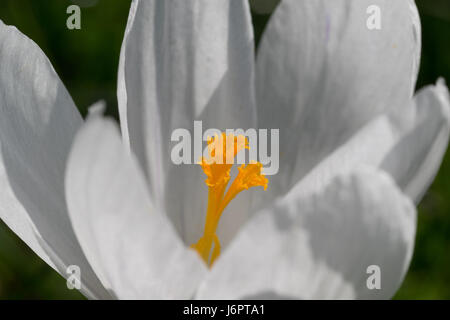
(222, 150)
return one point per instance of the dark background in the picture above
(87, 61)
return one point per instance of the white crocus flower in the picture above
(357, 150)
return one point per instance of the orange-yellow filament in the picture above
(222, 151)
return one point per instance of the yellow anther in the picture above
(249, 176)
(222, 151)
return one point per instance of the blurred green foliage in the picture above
(87, 61)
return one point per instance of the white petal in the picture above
(320, 247)
(417, 157)
(183, 61)
(38, 120)
(322, 75)
(417, 31)
(368, 147)
(132, 247)
(16, 218)
(412, 155)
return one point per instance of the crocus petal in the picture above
(16, 217)
(321, 246)
(38, 120)
(369, 147)
(134, 250)
(322, 74)
(183, 61)
(412, 155)
(417, 157)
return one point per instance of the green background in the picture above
(87, 61)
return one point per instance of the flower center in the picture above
(222, 151)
